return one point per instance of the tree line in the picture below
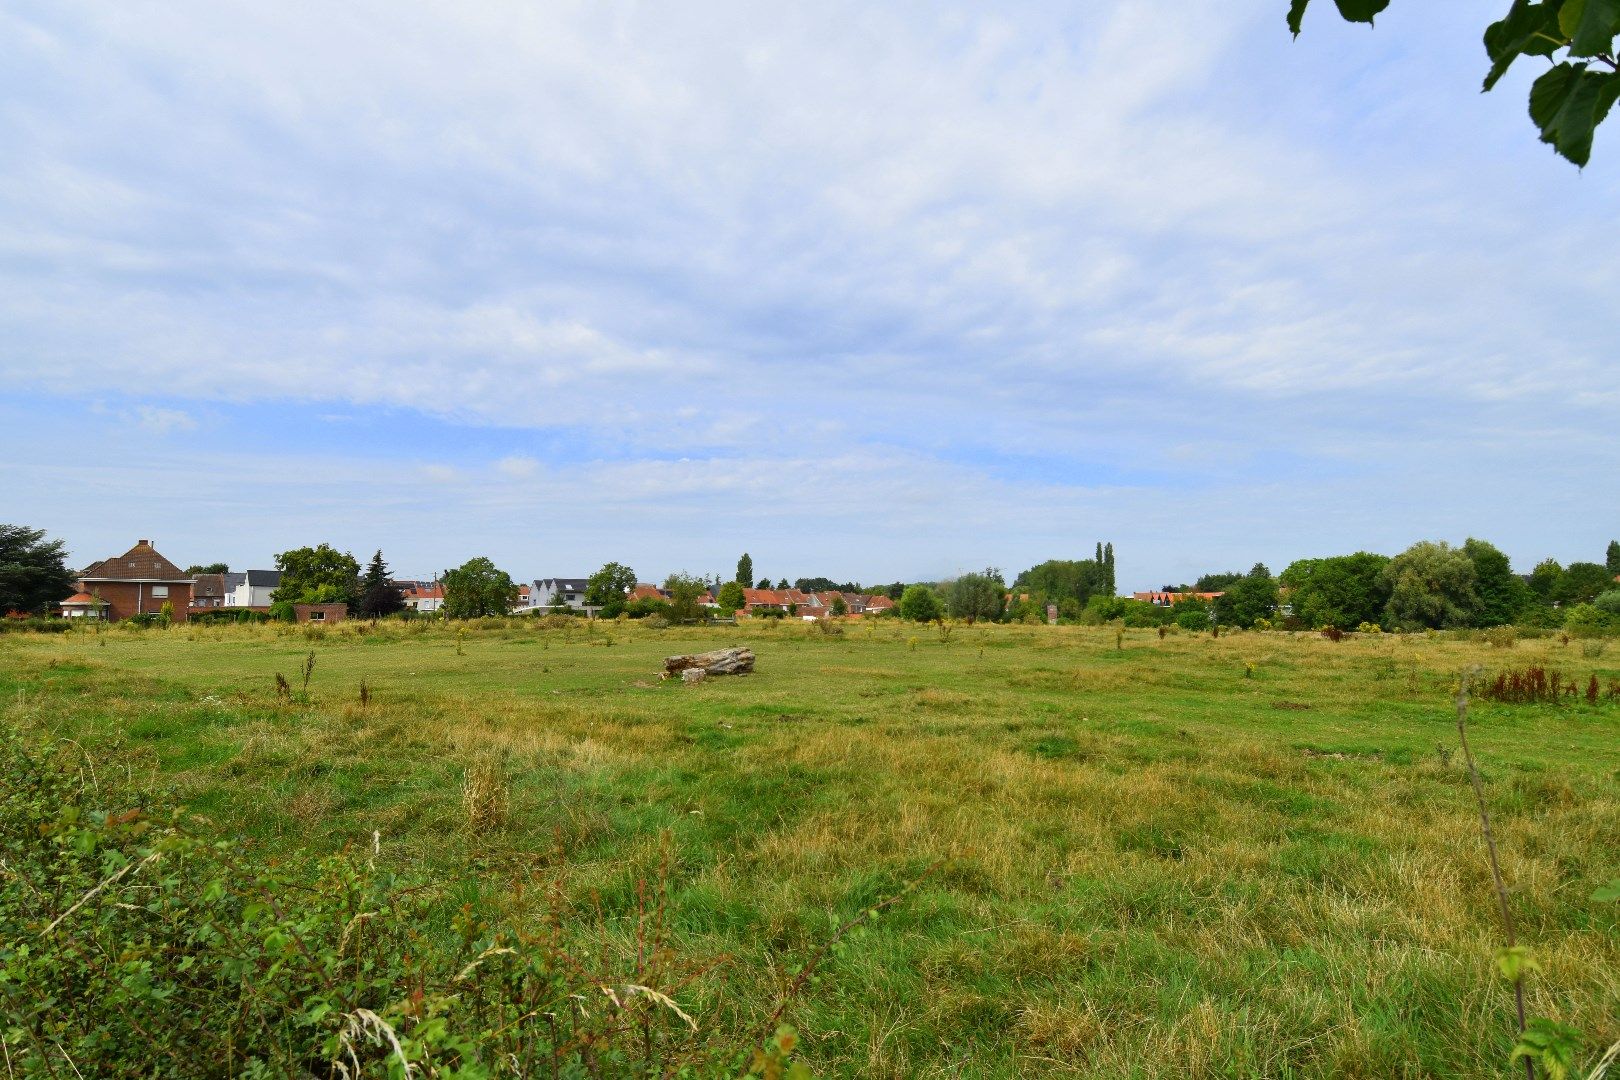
(1430, 585)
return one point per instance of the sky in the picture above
(877, 292)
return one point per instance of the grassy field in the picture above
(1250, 856)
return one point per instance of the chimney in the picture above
(143, 543)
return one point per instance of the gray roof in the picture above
(566, 584)
(263, 579)
(234, 580)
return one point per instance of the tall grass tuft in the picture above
(486, 799)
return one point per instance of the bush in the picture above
(1192, 615)
(1590, 621)
(919, 603)
(38, 625)
(647, 605)
(1369, 628)
(1501, 637)
(217, 616)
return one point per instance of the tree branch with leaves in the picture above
(1572, 97)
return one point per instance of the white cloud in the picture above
(163, 421)
(517, 467)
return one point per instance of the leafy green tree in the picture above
(1252, 596)
(1581, 582)
(307, 568)
(1503, 595)
(477, 588)
(764, 583)
(1608, 602)
(745, 569)
(607, 588)
(920, 603)
(827, 584)
(978, 596)
(34, 574)
(731, 597)
(208, 568)
(895, 591)
(840, 606)
(685, 596)
(1432, 585)
(1061, 579)
(1217, 582)
(782, 584)
(1342, 590)
(379, 596)
(1544, 578)
(1611, 560)
(1573, 96)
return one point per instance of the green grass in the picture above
(1154, 866)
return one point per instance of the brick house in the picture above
(138, 582)
(207, 591)
(320, 613)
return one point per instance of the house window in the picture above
(317, 616)
(159, 592)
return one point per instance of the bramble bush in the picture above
(132, 946)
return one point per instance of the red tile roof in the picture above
(83, 599)
(140, 563)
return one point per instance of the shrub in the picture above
(38, 625)
(1192, 615)
(1589, 621)
(217, 616)
(1369, 628)
(919, 603)
(1501, 637)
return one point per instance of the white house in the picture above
(424, 597)
(546, 592)
(251, 588)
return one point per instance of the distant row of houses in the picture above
(142, 581)
(1164, 598)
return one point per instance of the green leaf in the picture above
(1567, 103)
(1361, 10)
(1569, 16)
(1552, 1045)
(1609, 893)
(1514, 962)
(1528, 29)
(1352, 10)
(1296, 12)
(1590, 25)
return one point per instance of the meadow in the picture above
(1256, 855)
